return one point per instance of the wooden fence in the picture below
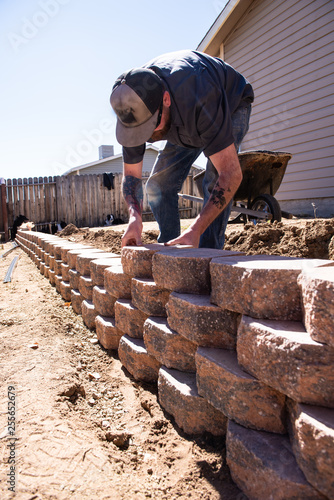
(82, 200)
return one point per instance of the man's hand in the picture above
(132, 235)
(188, 237)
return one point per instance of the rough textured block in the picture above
(97, 267)
(185, 270)
(241, 397)
(117, 283)
(65, 271)
(104, 302)
(137, 261)
(52, 275)
(58, 279)
(76, 301)
(135, 358)
(263, 466)
(129, 319)
(206, 324)
(261, 286)
(74, 278)
(317, 287)
(88, 313)
(107, 333)
(51, 261)
(148, 297)
(65, 290)
(284, 356)
(167, 346)
(178, 396)
(74, 246)
(57, 266)
(86, 287)
(73, 254)
(84, 259)
(312, 437)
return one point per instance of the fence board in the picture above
(10, 203)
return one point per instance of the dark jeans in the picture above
(168, 174)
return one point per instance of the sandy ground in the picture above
(81, 427)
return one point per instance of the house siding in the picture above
(285, 49)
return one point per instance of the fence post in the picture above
(4, 207)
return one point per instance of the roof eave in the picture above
(222, 26)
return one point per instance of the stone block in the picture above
(261, 286)
(107, 333)
(283, 355)
(179, 397)
(311, 432)
(52, 275)
(74, 278)
(148, 297)
(84, 259)
(240, 396)
(263, 466)
(104, 302)
(167, 346)
(65, 290)
(74, 246)
(137, 261)
(57, 266)
(97, 267)
(135, 358)
(88, 313)
(51, 261)
(117, 283)
(185, 270)
(73, 254)
(46, 259)
(86, 287)
(65, 271)
(129, 319)
(202, 322)
(58, 280)
(317, 287)
(76, 301)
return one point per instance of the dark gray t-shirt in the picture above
(205, 91)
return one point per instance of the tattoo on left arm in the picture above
(133, 192)
(217, 196)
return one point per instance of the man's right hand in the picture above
(132, 235)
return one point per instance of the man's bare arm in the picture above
(227, 165)
(133, 194)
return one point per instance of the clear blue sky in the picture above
(59, 60)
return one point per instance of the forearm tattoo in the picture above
(132, 188)
(217, 196)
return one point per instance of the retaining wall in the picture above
(241, 346)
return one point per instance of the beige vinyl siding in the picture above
(285, 49)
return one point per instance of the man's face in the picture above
(160, 132)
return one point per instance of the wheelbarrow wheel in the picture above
(268, 204)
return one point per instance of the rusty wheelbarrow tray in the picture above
(263, 172)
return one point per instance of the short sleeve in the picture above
(133, 155)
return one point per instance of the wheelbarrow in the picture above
(263, 172)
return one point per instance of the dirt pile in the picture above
(308, 239)
(106, 239)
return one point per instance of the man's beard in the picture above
(158, 135)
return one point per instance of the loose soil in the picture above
(84, 428)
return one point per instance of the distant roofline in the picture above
(99, 162)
